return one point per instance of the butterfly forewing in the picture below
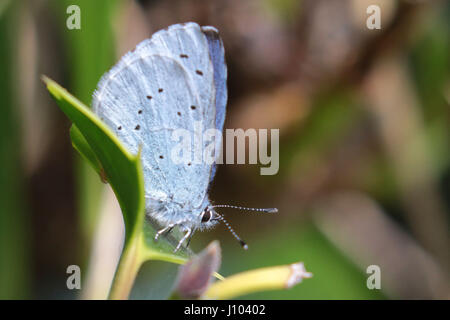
(169, 82)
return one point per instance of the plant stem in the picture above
(129, 264)
(270, 278)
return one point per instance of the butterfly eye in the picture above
(206, 216)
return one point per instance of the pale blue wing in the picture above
(153, 90)
(217, 55)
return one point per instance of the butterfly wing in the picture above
(166, 83)
(217, 56)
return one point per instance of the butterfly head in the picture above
(208, 218)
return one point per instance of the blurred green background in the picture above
(364, 123)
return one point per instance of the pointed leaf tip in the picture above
(45, 79)
(195, 276)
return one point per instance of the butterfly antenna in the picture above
(266, 210)
(242, 242)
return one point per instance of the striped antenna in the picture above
(266, 210)
(242, 242)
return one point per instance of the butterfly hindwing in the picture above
(167, 83)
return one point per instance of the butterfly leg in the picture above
(188, 233)
(164, 230)
(190, 237)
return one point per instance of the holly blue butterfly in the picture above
(170, 81)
